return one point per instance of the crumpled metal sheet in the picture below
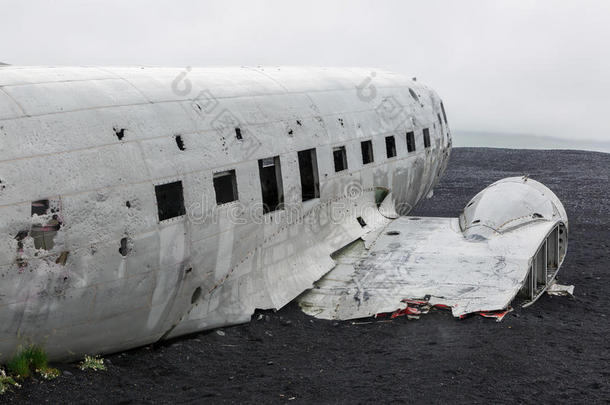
(426, 257)
(560, 290)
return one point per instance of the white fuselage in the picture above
(144, 203)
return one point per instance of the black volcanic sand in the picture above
(555, 350)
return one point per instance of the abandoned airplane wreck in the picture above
(138, 204)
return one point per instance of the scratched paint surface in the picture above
(478, 262)
(96, 142)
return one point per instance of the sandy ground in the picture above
(556, 350)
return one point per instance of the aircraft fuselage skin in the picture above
(97, 256)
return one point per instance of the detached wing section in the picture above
(510, 240)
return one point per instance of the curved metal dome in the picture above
(508, 204)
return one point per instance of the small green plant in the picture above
(6, 382)
(37, 357)
(19, 366)
(32, 358)
(29, 360)
(95, 363)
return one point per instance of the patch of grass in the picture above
(30, 359)
(95, 363)
(19, 366)
(37, 357)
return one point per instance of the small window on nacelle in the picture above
(390, 146)
(225, 186)
(411, 141)
(340, 158)
(426, 138)
(170, 200)
(367, 152)
(272, 190)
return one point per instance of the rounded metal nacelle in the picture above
(508, 204)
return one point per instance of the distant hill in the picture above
(3, 64)
(518, 141)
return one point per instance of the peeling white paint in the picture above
(102, 138)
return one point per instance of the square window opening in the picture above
(170, 200)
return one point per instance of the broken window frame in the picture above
(309, 191)
(165, 211)
(426, 135)
(273, 197)
(367, 152)
(340, 158)
(219, 187)
(411, 146)
(390, 146)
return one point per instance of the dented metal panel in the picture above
(100, 139)
(477, 263)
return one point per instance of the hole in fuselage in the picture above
(124, 249)
(180, 142)
(120, 133)
(380, 195)
(196, 295)
(414, 95)
(392, 233)
(44, 233)
(361, 222)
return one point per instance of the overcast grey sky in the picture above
(529, 67)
